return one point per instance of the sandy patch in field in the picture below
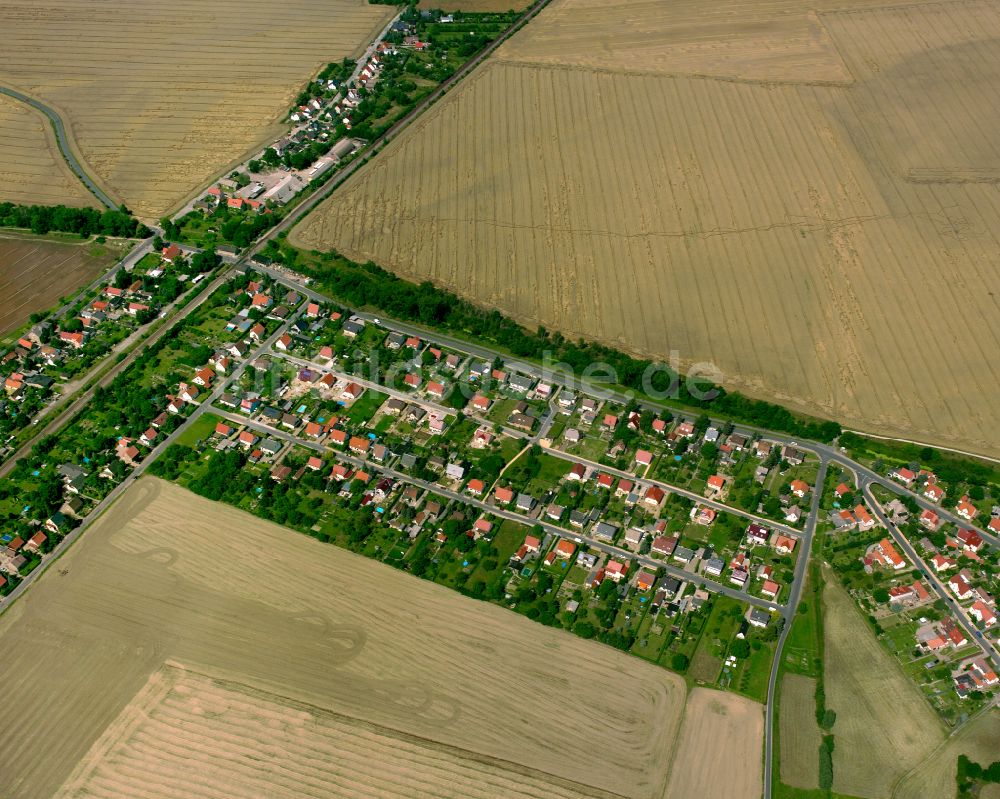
(32, 170)
(800, 736)
(35, 273)
(308, 640)
(719, 756)
(796, 235)
(161, 97)
(884, 726)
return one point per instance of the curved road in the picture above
(63, 142)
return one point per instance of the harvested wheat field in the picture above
(35, 273)
(816, 215)
(935, 778)
(719, 755)
(870, 694)
(185, 640)
(161, 97)
(32, 170)
(800, 735)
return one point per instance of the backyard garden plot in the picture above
(159, 98)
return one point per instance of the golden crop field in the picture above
(935, 777)
(186, 648)
(884, 725)
(32, 170)
(35, 273)
(161, 97)
(800, 734)
(718, 756)
(817, 215)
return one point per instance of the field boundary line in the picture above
(64, 143)
(262, 691)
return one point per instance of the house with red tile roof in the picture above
(903, 475)
(475, 487)
(865, 520)
(653, 497)
(959, 584)
(983, 613)
(930, 519)
(504, 495)
(615, 570)
(565, 549)
(934, 492)
(800, 488)
(889, 555)
(577, 472)
(783, 544)
(971, 540)
(770, 589)
(966, 509)
(643, 457)
(942, 563)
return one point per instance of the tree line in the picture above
(85, 222)
(370, 285)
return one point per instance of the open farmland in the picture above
(719, 731)
(819, 225)
(32, 170)
(799, 733)
(935, 778)
(160, 97)
(184, 632)
(870, 695)
(35, 273)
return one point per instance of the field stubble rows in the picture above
(823, 245)
(274, 621)
(161, 97)
(32, 170)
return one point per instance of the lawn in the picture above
(200, 429)
(365, 406)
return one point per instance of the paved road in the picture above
(556, 453)
(801, 567)
(64, 147)
(988, 648)
(609, 549)
(151, 456)
(80, 402)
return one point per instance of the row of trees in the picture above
(369, 285)
(85, 222)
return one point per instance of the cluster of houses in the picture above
(26, 367)
(668, 593)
